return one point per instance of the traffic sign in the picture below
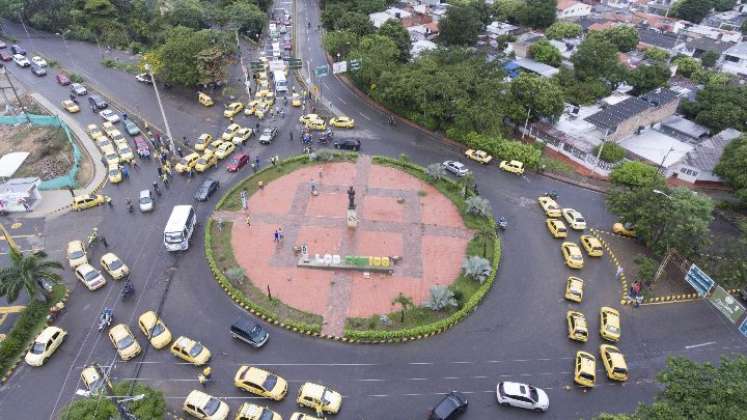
(699, 280)
(339, 67)
(321, 71)
(726, 303)
(743, 327)
(294, 63)
(256, 65)
(354, 64)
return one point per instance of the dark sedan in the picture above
(349, 144)
(207, 188)
(450, 407)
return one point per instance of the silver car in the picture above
(456, 168)
(78, 89)
(146, 201)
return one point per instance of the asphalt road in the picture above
(518, 333)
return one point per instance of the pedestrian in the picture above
(257, 126)
(280, 233)
(248, 221)
(103, 241)
(277, 236)
(272, 160)
(25, 204)
(619, 272)
(291, 135)
(189, 172)
(254, 167)
(256, 162)
(134, 163)
(179, 152)
(184, 140)
(261, 185)
(125, 172)
(167, 168)
(165, 180)
(160, 171)
(124, 115)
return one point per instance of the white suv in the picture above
(514, 394)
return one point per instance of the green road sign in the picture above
(294, 63)
(256, 66)
(354, 64)
(321, 71)
(727, 304)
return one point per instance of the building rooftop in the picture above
(707, 154)
(685, 127)
(536, 67)
(738, 50)
(10, 163)
(610, 117)
(656, 38)
(656, 147)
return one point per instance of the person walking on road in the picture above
(165, 180)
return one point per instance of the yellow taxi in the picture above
(232, 109)
(577, 329)
(319, 398)
(266, 96)
(609, 323)
(125, 153)
(212, 147)
(204, 99)
(261, 110)
(114, 266)
(203, 141)
(93, 131)
(70, 106)
(230, 132)
(94, 380)
(82, 202)
(242, 135)
(585, 371)
(120, 141)
(206, 161)
(295, 100)
(302, 416)
(260, 382)
(592, 246)
(44, 345)
(557, 228)
(186, 163)
(479, 156)
(224, 150)
(109, 129)
(76, 253)
(125, 343)
(572, 255)
(203, 406)
(614, 362)
(574, 289)
(251, 107)
(263, 83)
(574, 219)
(154, 330)
(316, 125)
(513, 166)
(303, 119)
(115, 175)
(103, 143)
(110, 155)
(624, 229)
(190, 351)
(249, 411)
(342, 122)
(549, 206)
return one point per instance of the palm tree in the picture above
(405, 303)
(24, 271)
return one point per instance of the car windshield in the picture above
(91, 275)
(255, 332)
(115, 265)
(157, 330)
(266, 415)
(620, 370)
(588, 376)
(76, 254)
(125, 342)
(580, 220)
(327, 397)
(145, 200)
(581, 332)
(270, 382)
(576, 257)
(445, 408)
(38, 348)
(184, 162)
(196, 350)
(533, 394)
(174, 237)
(211, 406)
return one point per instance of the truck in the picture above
(281, 84)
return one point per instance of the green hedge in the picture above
(29, 323)
(449, 188)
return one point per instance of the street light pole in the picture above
(160, 107)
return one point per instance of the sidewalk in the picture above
(55, 202)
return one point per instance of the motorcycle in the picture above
(501, 223)
(93, 237)
(552, 194)
(128, 290)
(105, 319)
(325, 137)
(130, 207)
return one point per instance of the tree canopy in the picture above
(399, 35)
(537, 96)
(733, 167)
(544, 52)
(562, 30)
(23, 272)
(460, 26)
(692, 10)
(718, 106)
(647, 77)
(595, 58)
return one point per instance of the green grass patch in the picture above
(132, 68)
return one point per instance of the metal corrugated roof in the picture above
(10, 163)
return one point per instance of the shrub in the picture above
(441, 298)
(236, 274)
(479, 206)
(610, 152)
(436, 171)
(76, 78)
(476, 268)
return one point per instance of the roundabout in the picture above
(282, 238)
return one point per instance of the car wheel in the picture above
(337, 146)
(539, 410)
(505, 404)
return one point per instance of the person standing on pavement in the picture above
(179, 152)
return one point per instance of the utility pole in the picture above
(160, 107)
(247, 84)
(4, 71)
(661, 166)
(526, 123)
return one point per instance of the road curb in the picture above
(12, 369)
(174, 416)
(624, 298)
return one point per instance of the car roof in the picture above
(515, 388)
(144, 193)
(109, 257)
(47, 333)
(198, 398)
(313, 390)
(183, 342)
(85, 268)
(119, 331)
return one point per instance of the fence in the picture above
(69, 180)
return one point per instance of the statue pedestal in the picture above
(352, 219)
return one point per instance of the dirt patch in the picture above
(51, 155)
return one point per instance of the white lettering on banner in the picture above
(339, 67)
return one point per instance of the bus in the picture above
(179, 228)
(281, 84)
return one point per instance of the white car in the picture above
(145, 201)
(39, 61)
(21, 60)
(574, 219)
(456, 168)
(514, 394)
(89, 276)
(110, 116)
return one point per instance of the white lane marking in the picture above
(480, 377)
(694, 346)
(378, 395)
(340, 99)
(417, 379)
(420, 363)
(461, 363)
(450, 377)
(364, 116)
(371, 380)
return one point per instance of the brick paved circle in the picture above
(399, 215)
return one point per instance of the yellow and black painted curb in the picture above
(174, 416)
(624, 298)
(12, 369)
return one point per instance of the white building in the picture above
(734, 60)
(501, 29)
(656, 148)
(379, 18)
(572, 9)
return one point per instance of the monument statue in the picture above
(351, 198)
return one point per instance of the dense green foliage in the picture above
(718, 106)
(692, 10)
(696, 391)
(23, 273)
(656, 54)
(531, 13)
(635, 174)
(544, 52)
(709, 58)
(460, 26)
(732, 167)
(647, 77)
(562, 30)
(611, 152)
(399, 35)
(152, 406)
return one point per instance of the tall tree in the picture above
(635, 174)
(24, 271)
(355, 22)
(538, 13)
(397, 33)
(693, 10)
(339, 42)
(733, 167)
(595, 58)
(460, 26)
(546, 53)
(187, 13)
(538, 97)
(381, 54)
(247, 17)
(647, 77)
(709, 58)
(563, 30)
(624, 37)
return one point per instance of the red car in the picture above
(5, 56)
(62, 79)
(237, 162)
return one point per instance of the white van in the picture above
(281, 85)
(179, 228)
